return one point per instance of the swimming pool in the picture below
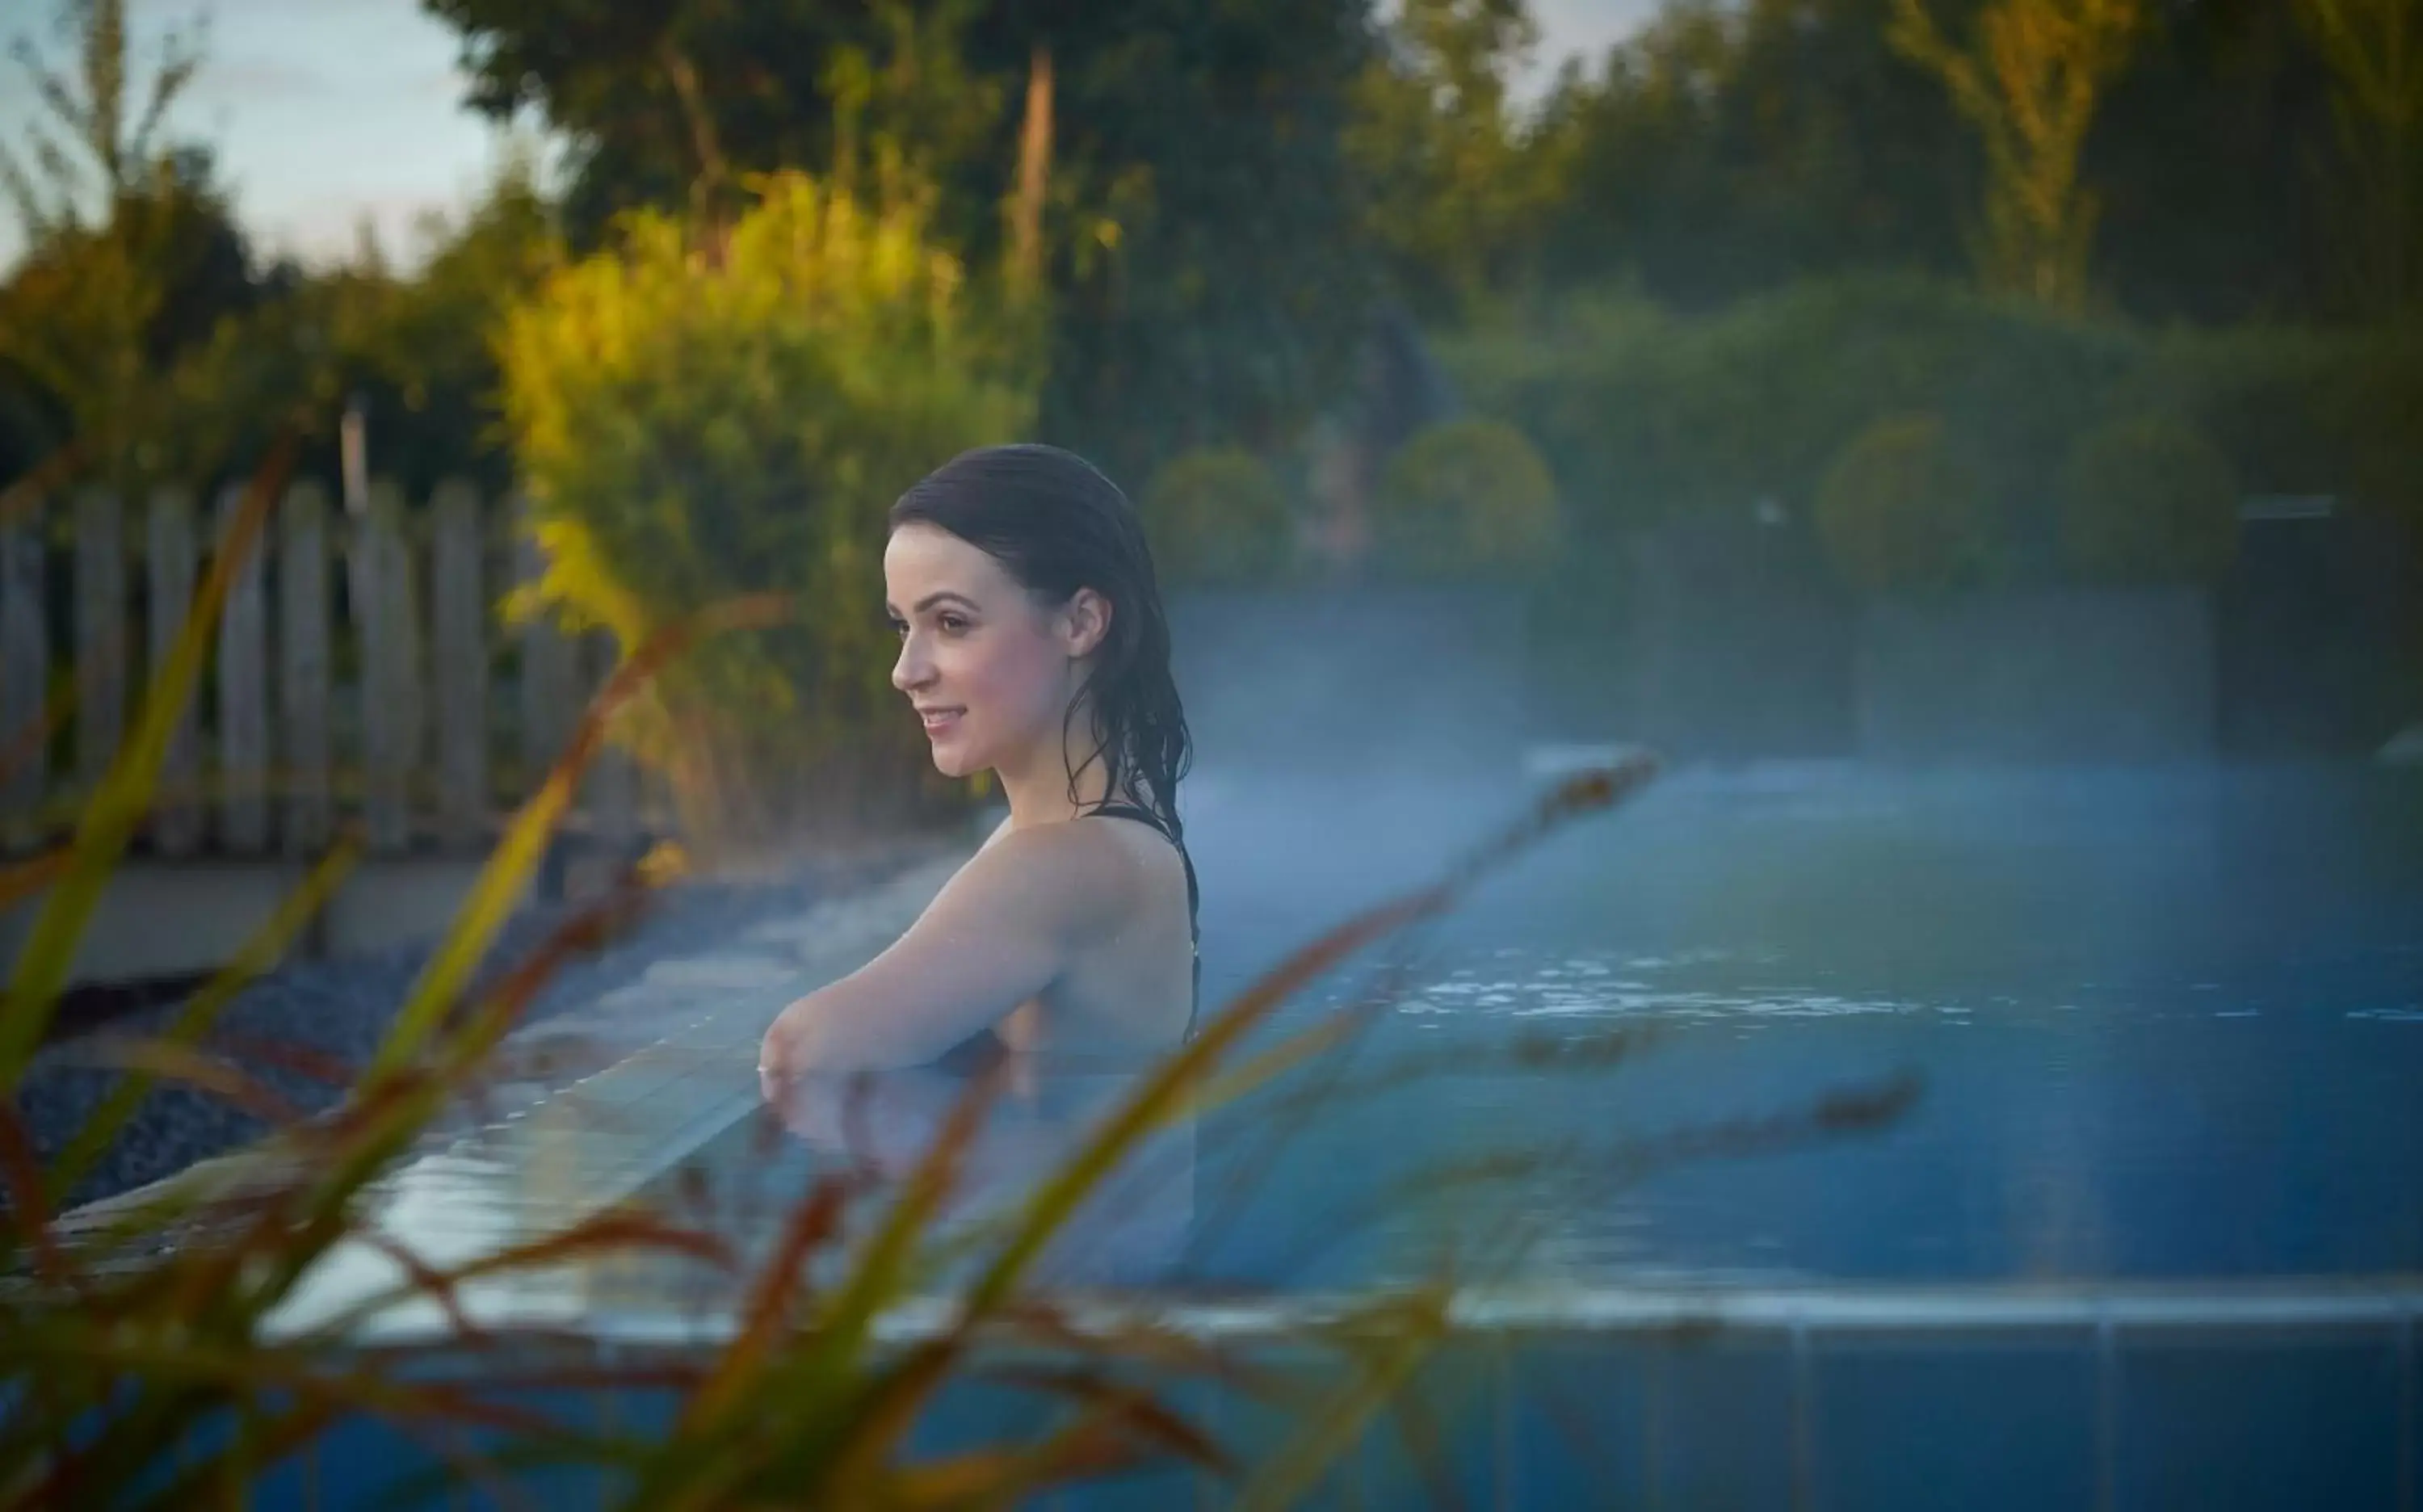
(2166, 1026)
(2147, 1231)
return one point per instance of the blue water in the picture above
(2163, 1024)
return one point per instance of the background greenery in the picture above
(1696, 274)
(686, 435)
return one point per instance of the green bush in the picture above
(1464, 499)
(1219, 515)
(2148, 501)
(1648, 417)
(2303, 411)
(1900, 511)
(691, 428)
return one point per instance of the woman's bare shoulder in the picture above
(1079, 873)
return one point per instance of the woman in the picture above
(1129, 1231)
(1032, 644)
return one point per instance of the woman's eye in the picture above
(899, 627)
(954, 624)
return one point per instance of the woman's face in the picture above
(989, 672)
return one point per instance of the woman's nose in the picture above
(912, 669)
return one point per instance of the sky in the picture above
(327, 114)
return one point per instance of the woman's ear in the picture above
(1084, 622)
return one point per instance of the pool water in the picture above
(2144, 1227)
(2162, 1026)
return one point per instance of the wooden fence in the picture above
(361, 671)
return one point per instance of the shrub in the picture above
(691, 428)
(1464, 499)
(2148, 501)
(1219, 515)
(1900, 511)
(2303, 411)
(1648, 417)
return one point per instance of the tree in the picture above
(420, 351)
(2203, 156)
(1456, 186)
(1199, 236)
(1724, 150)
(132, 258)
(2029, 82)
(97, 118)
(1208, 276)
(2374, 51)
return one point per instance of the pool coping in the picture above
(2178, 1312)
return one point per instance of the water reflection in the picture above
(1130, 1231)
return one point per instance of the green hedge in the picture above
(2148, 501)
(1646, 416)
(1465, 499)
(1901, 512)
(1219, 515)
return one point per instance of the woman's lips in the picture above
(937, 721)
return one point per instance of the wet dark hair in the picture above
(1057, 524)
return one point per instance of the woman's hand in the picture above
(784, 1053)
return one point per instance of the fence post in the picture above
(177, 816)
(390, 726)
(459, 666)
(101, 634)
(550, 668)
(303, 668)
(244, 696)
(613, 779)
(25, 681)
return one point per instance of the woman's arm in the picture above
(1000, 932)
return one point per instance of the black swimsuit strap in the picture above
(1193, 894)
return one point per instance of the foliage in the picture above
(420, 350)
(1724, 151)
(693, 423)
(95, 117)
(1457, 185)
(1901, 512)
(2300, 412)
(2029, 82)
(1646, 416)
(132, 258)
(2148, 501)
(2374, 50)
(1219, 515)
(1199, 227)
(1719, 150)
(1466, 498)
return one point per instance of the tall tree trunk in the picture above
(706, 143)
(1034, 176)
(2030, 81)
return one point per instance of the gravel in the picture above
(340, 1010)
